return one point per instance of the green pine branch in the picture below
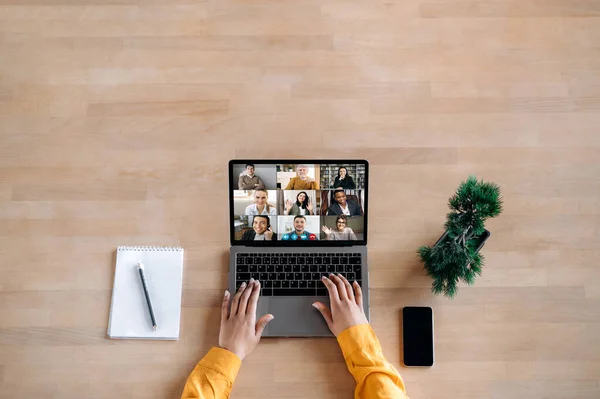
(455, 258)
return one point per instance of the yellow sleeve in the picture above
(213, 376)
(375, 377)
(290, 185)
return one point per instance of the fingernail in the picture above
(271, 317)
(314, 305)
(243, 285)
(226, 293)
(251, 280)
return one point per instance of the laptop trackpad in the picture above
(295, 316)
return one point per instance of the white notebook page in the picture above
(163, 271)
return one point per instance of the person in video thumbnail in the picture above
(302, 181)
(299, 233)
(343, 180)
(250, 181)
(341, 232)
(261, 206)
(342, 206)
(302, 206)
(261, 230)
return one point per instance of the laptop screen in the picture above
(298, 202)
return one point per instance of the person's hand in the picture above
(256, 185)
(268, 234)
(346, 304)
(288, 205)
(309, 207)
(240, 332)
(326, 230)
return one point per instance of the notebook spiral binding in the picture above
(148, 248)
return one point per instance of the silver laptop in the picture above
(293, 221)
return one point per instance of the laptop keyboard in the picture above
(295, 274)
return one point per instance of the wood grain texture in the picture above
(118, 117)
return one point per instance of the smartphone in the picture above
(417, 333)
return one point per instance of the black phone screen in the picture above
(417, 331)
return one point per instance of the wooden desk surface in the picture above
(117, 119)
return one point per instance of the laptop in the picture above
(291, 222)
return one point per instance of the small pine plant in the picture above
(455, 257)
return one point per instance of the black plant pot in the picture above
(482, 239)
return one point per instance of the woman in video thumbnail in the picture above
(343, 180)
(341, 232)
(302, 206)
(261, 206)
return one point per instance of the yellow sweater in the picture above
(296, 183)
(375, 377)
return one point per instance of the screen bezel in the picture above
(406, 314)
(278, 243)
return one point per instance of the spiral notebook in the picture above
(129, 314)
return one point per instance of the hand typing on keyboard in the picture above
(240, 332)
(375, 376)
(346, 304)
